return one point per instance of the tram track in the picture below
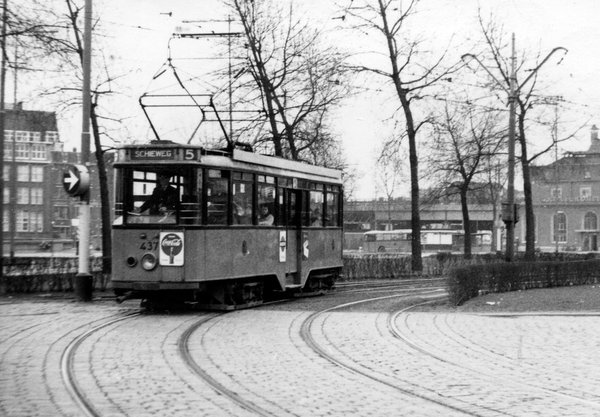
(498, 361)
(323, 352)
(76, 392)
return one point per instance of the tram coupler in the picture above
(128, 295)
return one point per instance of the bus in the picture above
(432, 240)
(242, 227)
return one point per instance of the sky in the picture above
(139, 41)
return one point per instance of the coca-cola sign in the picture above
(171, 248)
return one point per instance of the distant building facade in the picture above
(566, 200)
(38, 214)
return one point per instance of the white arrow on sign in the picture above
(72, 179)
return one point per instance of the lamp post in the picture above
(509, 210)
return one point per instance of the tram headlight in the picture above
(131, 261)
(149, 261)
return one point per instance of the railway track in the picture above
(497, 362)
(69, 377)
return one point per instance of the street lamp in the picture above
(509, 208)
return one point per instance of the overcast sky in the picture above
(139, 33)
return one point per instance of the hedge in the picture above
(466, 282)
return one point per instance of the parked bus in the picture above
(432, 240)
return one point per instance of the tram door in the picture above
(293, 211)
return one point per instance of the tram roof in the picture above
(157, 152)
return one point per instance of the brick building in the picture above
(566, 199)
(38, 215)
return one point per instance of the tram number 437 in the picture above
(153, 245)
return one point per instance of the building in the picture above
(38, 214)
(566, 200)
(363, 216)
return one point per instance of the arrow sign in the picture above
(71, 179)
(76, 180)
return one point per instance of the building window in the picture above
(22, 195)
(22, 151)
(560, 227)
(556, 193)
(8, 147)
(22, 221)
(9, 135)
(6, 172)
(5, 222)
(36, 220)
(38, 152)
(6, 195)
(36, 136)
(37, 196)
(51, 137)
(21, 136)
(587, 175)
(585, 193)
(23, 173)
(37, 174)
(590, 221)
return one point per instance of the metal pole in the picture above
(2, 120)
(510, 194)
(83, 280)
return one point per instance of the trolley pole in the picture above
(509, 209)
(83, 279)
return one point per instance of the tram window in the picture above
(332, 210)
(217, 196)
(191, 202)
(316, 208)
(266, 200)
(243, 192)
(280, 206)
(155, 196)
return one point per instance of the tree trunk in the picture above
(104, 196)
(528, 194)
(466, 222)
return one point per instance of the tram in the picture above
(235, 228)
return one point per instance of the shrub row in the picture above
(383, 266)
(25, 275)
(466, 282)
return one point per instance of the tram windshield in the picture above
(163, 196)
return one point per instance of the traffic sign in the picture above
(76, 180)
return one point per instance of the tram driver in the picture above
(164, 199)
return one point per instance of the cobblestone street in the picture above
(372, 363)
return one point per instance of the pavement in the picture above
(413, 364)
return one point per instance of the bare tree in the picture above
(467, 138)
(410, 75)
(527, 101)
(55, 46)
(389, 169)
(299, 80)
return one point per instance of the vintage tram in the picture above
(238, 228)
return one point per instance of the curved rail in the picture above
(398, 334)
(68, 373)
(183, 344)
(310, 341)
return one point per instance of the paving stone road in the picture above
(441, 364)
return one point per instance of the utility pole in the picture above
(2, 123)
(509, 209)
(83, 279)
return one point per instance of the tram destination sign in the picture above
(162, 154)
(152, 154)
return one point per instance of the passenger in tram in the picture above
(242, 214)
(316, 218)
(164, 198)
(265, 218)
